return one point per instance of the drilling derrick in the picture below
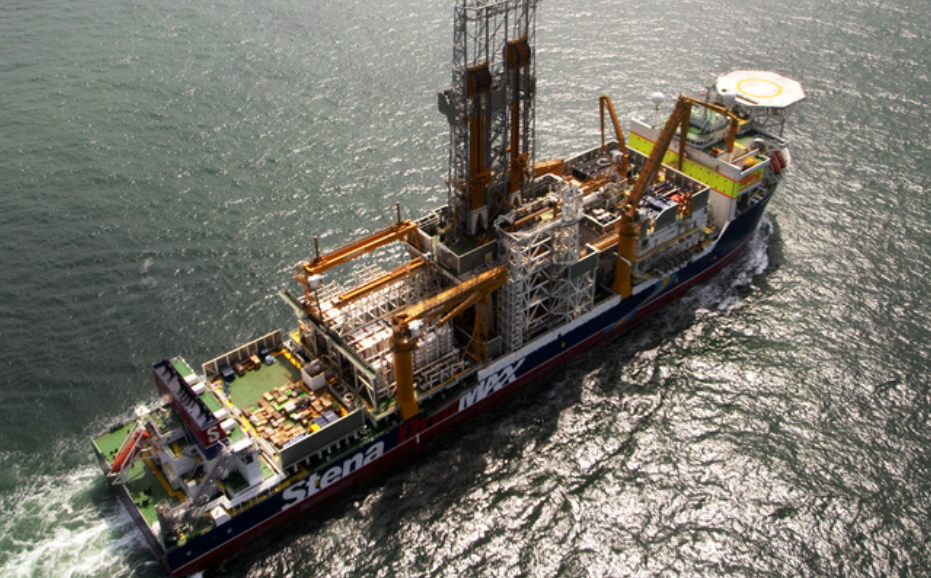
(490, 112)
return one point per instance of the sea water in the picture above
(164, 165)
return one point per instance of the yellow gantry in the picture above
(401, 272)
(323, 263)
(448, 304)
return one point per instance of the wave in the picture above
(726, 291)
(66, 525)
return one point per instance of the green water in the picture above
(163, 166)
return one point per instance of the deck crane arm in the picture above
(322, 263)
(445, 306)
(679, 118)
(604, 102)
(629, 229)
(405, 270)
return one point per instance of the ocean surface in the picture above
(164, 165)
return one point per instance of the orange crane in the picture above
(322, 263)
(401, 272)
(605, 103)
(629, 229)
(407, 323)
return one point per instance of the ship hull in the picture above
(498, 382)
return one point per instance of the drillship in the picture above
(527, 265)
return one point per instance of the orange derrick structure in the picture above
(516, 55)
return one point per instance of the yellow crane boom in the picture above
(322, 263)
(629, 227)
(680, 118)
(449, 304)
(604, 103)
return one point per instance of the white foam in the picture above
(721, 294)
(55, 529)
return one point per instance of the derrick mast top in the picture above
(490, 109)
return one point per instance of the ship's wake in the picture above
(726, 292)
(65, 525)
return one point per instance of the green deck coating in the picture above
(144, 488)
(182, 368)
(109, 443)
(246, 391)
(146, 491)
(211, 401)
(267, 470)
(237, 434)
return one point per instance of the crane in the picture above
(629, 229)
(605, 103)
(407, 323)
(304, 272)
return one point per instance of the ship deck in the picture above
(145, 485)
(275, 403)
(246, 390)
(261, 395)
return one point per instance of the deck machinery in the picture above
(420, 325)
